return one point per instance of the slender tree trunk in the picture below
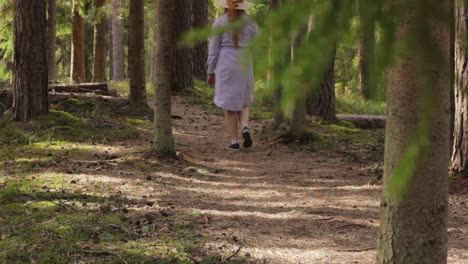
(183, 61)
(298, 120)
(78, 61)
(153, 58)
(367, 47)
(163, 58)
(111, 48)
(51, 38)
(200, 52)
(322, 102)
(414, 230)
(136, 53)
(278, 116)
(118, 56)
(100, 43)
(460, 135)
(452, 73)
(30, 43)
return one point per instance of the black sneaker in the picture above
(246, 137)
(233, 147)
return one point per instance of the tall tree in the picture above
(51, 38)
(414, 229)
(278, 116)
(30, 48)
(322, 101)
(118, 53)
(163, 56)
(298, 119)
(111, 49)
(78, 54)
(200, 52)
(100, 42)
(136, 53)
(460, 136)
(183, 61)
(367, 46)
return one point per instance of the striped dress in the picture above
(234, 88)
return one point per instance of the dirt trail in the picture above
(280, 204)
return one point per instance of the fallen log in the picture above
(6, 95)
(364, 121)
(79, 88)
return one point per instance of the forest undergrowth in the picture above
(81, 185)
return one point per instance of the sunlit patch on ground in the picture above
(107, 199)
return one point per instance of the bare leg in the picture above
(244, 117)
(231, 123)
(244, 120)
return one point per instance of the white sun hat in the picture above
(242, 6)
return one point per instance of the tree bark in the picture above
(322, 102)
(367, 47)
(111, 49)
(183, 61)
(30, 96)
(78, 61)
(278, 116)
(100, 43)
(51, 38)
(136, 53)
(414, 230)
(298, 121)
(118, 53)
(200, 51)
(460, 136)
(163, 55)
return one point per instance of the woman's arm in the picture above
(213, 51)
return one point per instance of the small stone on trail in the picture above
(165, 213)
(164, 230)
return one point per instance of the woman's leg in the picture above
(231, 123)
(244, 117)
(244, 120)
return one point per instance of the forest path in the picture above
(280, 203)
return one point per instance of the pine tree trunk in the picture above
(452, 73)
(298, 120)
(322, 102)
(118, 53)
(51, 38)
(100, 43)
(111, 48)
(460, 136)
(278, 116)
(367, 47)
(414, 230)
(200, 52)
(183, 61)
(30, 47)
(163, 55)
(136, 53)
(78, 61)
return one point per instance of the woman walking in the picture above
(227, 71)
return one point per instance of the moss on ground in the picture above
(47, 216)
(354, 104)
(42, 224)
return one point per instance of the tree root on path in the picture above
(233, 255)
(105, 253)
